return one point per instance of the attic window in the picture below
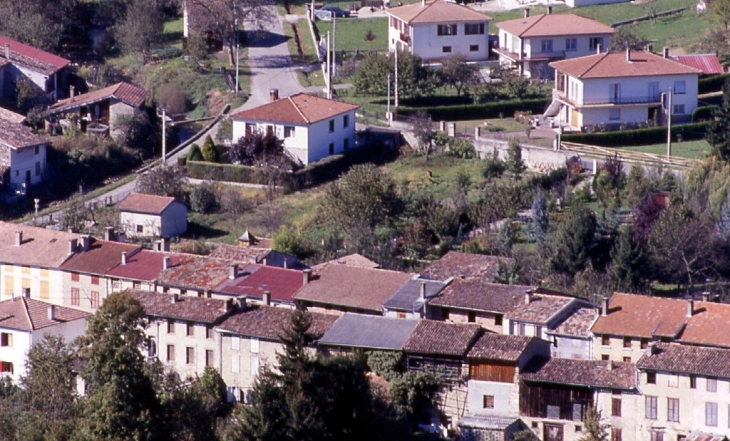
(651, 378)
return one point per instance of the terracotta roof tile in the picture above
(465, 266)
(40, 247)
(296, 109)
(270, 322)
(436, 12)
(101, 257)
(352, 287)
(125, 92)
(253, 280)
(15, 135)
(144, 265)
(481, 296)
(541, 309)
(554, 25)
(499, 347)
(145, 203)
(29, 315)
(179, 307)
(615, 65)
(709, 64)
(32, 58)
(642, 316)
(709, 325)
(196, 273)
(686, 360)
(442, 338)
(589, 373)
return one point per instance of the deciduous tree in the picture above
(163, 181)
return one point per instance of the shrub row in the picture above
(703, 113)
(654, 135)
(712, 83)
(478, 111)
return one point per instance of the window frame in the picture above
(473, 48)
(446, 49)
(474, 28)
(711, 384)
(651, 407)
(616, 407)
(710, 409)
(447, 30)
(189, 355)
(170, 353)
(546, 45)
(651, 377)
(487, 401)
(332, 125)
(571, 44)
(6, 339)
(679, 87)
(673, 409)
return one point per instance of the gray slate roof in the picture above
(487, 421)
(408, 297)
(367, 331)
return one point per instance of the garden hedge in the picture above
(653, 135)
(478, 111)
(703, 113)
(712, 83)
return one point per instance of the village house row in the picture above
(512, 357)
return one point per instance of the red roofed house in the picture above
(709, 64)
(530, 43)
(18, 60)
(150, 215)
(99, 110)
(614, 89)
(311, 127)
(439, 29)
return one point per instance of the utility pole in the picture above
(388, 111)
(396, 75)
(334, 44)
(237, 57)
(669, 124)
(164, 138)
(329, 69)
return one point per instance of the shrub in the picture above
(478, 111)
(194, 154)
(209, 153)
(203, 199)
(654, 135)
(712, 83)
(703, 113)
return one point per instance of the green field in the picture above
(351, 33)
(689, 149)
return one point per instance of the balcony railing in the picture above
(622, 100)
(405, 38)
(526, 56)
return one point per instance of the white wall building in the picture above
(22, 154)
(149, 215)
(438, 30)
(311, 127)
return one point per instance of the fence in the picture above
(628, 156)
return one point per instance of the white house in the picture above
(311, 127)
(149, 215)
(439, 29)
(24, 322)
(22, 153)
(17, 61)
(531, 42)
(619, 88)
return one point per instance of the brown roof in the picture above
(32, 58)
(615, 65)
(554, 25)
(100, 258)
(465, 266)
(180, 307)
(642, 316)
(436, 12)
(195, 272)
(711, 362)
(352, 287)
(29, 315)
(482, 296)
(8, 115)
(709, 325)
(124, 92)
(578, 322)
(270, 322)
(145, 203)
(17, 136)
(442, 338)
(589, 373)
(144, 265)
(541, 309)
(250, 254)
(40, 247)
(354, 259)
(296, 109)
(499, 347)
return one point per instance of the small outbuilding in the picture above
(145, 215)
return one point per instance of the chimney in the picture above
(233, 271)
(528, 296)
(628, 55)
(7, 50)
(550, 9)
(85, 242)
(273, 95)
(72, 93)
(109, 234)
(18, 238)
(527, 12)
(286, 262)
(705, 296)
(690, 307)
(604, 306)
(242, 305)
(157, 246)
(609, 366)
(266, 299)
(423, 3)
(665, 52)
(228, 305)
(175, 298)
(423, 290)
(263, 261)
(598, 48)
(166, 262)
(71, 246)
(165, 244)
(650, 47)
(653, 348)
(306, 276)
(124, 257)
(52, 313)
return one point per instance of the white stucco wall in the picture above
(157, 331)
(506, 398)
(571, 347)
(172, 222)
(427, 44)
(45, 284)
(23, 161)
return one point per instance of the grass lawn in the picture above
(413, 173)
(351, 33)
(173, 33)
(689, 149)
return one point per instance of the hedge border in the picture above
(653, 135)
(478, 111)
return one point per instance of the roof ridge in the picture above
(27, 314)
(669, 58)
(297, 108)
(423, 8)
(531, 26)
(601, 57)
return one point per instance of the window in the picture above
(171, 326)
(678, 109)
(538, 331)
(332, 148)
(74, 277)
(94, 280)
(140, 229)
(673, 409)
(692, 382)
(170, 352)
(37, 150)
(189, 355)
(189, 329)
(627, 342)
(627, 359)
(254, 365)
(672, 381)
(679, 87)
(712, 385)
(151, 347)
(236, 343)
(651, 378)
(446, 49)
(614, 92)
(209, 358)
(254, 345)
(37, 168)
(522, 329)
(208, 331)
(711, 414)
(448, 29)
(605, 340)
(401, 314)
(6, 367)
(289, 131)
(614, 115)
(471, 317)
(644, 343)
(474, 29)
(235, 363)
(332, 125)
(137, 285)
(571, 44)
(604, 357)
(654, 94)
(94, 299)
(593, 43)
(546, 45)
(650, 407)
(346, 121)
(657, 435)
(488, 401)
(615, 434)
(444, 314)
(6, 339)
(579, 429)
(616, 407)
(473, 48)
(346, 144)
(75, 297)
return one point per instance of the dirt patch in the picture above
(216, 100)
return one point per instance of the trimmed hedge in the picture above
(703, 113)
(478, 111)
(712, 83)
(654, 135)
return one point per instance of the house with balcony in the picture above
(439, 29)
(530, 43)
(619, 88)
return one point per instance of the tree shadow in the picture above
(264, 39)
(198, 231)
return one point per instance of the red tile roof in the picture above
(588, 373)
(686, 360)
(29, 315)
(195, 272)
(473, 294)
(145, 203)
(144, 265)
(124, 92)
(40, 247)
(250, 254)
(180, 307)
(615, 65)
(442, 338)
(500, 347)
(642, 316)
(270, 322)
(709, 324)
(465, 266)
(253, 280)
(709, 64)
(101, 257)
(436, 12)
(32, 58)
(296, 109)
(554, 25)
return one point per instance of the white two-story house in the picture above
(22, 153)
(619, 88)
(438, 30)
(311, 127)
(530, 43)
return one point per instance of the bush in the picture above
(203, 199)
(209, 153)
(703, 113)
(194, 154)
(654, 135)
(712, 83)
(477, 111)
